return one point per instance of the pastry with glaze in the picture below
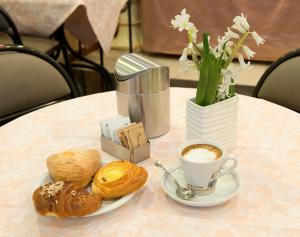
(118, 178)
(76, 165)
(65, 199)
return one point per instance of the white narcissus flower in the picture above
(216, 52)
(243, 64)
(238, 28)
(183, 58)
(228, 46)
(181, 21)
(186, 51)
(231, 35)
(187, 67)
(200, 45)
(249, 53)
(244, 22)
(224, 51)
(192, 31)
(257, 38)
(224, 87)
(241, 21)
(224, 56)
(219, 49)
(190, 26)
(221, 40)
(187, 64)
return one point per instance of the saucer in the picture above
(226, 188)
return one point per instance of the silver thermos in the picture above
(143, 93)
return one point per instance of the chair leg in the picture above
(108, 82)
(70, 71)
(101, 56)
(87, 62)
(55, 54)
(129, 25)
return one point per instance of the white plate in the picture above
(227, 187)
(107, 205)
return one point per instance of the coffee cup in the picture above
(203, 162)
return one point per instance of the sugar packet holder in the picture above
(135, 155)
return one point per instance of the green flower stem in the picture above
(196, 48)
(235, 50)
(196, 60)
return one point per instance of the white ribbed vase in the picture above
(216, 122)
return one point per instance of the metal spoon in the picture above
(182, 192)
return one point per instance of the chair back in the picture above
(8, 27)
(30, 80)
(280, 83)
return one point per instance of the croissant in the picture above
(65, 199)
(118, 178)
(76, 165)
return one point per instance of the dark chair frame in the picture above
(88, 64)
(53, 63)
(273, 66)
(13, 33)
(65, 47)
(129, 25)
(109, 82)
(17, 38)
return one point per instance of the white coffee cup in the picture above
(202, 175)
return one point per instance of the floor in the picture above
(246, 80)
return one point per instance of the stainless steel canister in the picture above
(143, 93)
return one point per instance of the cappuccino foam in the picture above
(201, 153)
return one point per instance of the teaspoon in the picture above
(182, 192)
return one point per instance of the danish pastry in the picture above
(64, 199)
(118, 178)
(74, 165)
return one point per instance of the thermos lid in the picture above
(135, 74)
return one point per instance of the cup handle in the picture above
(229, 169)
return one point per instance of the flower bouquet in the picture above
(216, 100)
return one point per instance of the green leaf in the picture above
(210, 76)
(205, 44)
(213, 82)
(203, 81)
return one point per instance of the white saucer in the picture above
(227, 187)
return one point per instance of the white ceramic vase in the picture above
(216, 122)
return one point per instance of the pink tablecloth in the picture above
(269, 167)
(89, 20)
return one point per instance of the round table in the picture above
(268, 151)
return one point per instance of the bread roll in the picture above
(65, 199)
(74, 165)
(118, 178)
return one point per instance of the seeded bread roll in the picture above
(76, 165)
